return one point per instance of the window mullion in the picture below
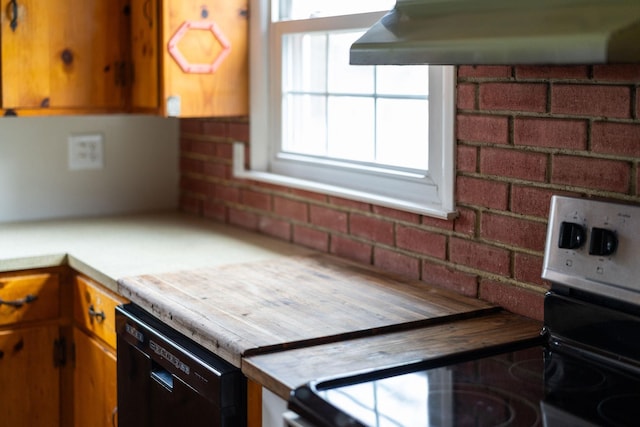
(375, 113)
(326, 95)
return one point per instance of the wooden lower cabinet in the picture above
(57, 350)
(94, 342)
(30, 381)
(58, 365)
(94, 382)
(30, 360)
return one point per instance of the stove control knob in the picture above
(572, 235)
(603, 242)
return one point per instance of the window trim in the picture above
(441, 154)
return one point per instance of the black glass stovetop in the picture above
(534, 386)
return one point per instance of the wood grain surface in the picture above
(245, 309)
(283, 371)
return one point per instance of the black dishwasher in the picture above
(166, 379)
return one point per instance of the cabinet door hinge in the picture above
(59, 352)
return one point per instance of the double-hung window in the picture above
(379, 134)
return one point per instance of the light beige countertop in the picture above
(241, 294)
(108, 248)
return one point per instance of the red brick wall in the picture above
(523, 134)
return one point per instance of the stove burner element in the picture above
(483, 406)
(563, 375)
(527, 370)
(480, 409)
(621, 410)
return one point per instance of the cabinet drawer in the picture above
(29, 297)
(94, 309)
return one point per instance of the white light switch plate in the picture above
(86, 152)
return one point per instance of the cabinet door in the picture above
(25, 53)
(145, 34)
(205, 57)
(68, 54)
(94, 382)
(30, 391)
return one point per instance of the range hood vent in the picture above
(462, 32)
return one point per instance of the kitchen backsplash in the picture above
(523, 134)
(139, 174)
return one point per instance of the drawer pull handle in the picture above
(99, 316)
(17, 303)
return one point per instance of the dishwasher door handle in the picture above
(162, 377)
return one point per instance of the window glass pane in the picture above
(403, 133)
(304, 124)
(354, 113)
(305, 64)
(303, 9)
(402, 80)
(345, 78)
(350, 128)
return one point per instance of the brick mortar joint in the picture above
(503, 180)
(208, 178)
(510, 114)
(552, 151)
(222, 119)
(514, 215)
(551, 81)
(204, 157)
(514, 283)
(202, 137)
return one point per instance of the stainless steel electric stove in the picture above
(584, 370)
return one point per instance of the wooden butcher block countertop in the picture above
(284, 371)
(247, 309)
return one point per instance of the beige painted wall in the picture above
(140, 172)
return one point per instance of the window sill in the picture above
(239, 171)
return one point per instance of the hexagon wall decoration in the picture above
(182, 61)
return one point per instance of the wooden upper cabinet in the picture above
(65, 54)
(184, 58)
(204, 58)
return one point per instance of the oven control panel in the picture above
(595, 246)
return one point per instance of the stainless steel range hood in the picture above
(503, 32)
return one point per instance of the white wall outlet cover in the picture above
(86, 151)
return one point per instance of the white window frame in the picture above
(431, 195)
